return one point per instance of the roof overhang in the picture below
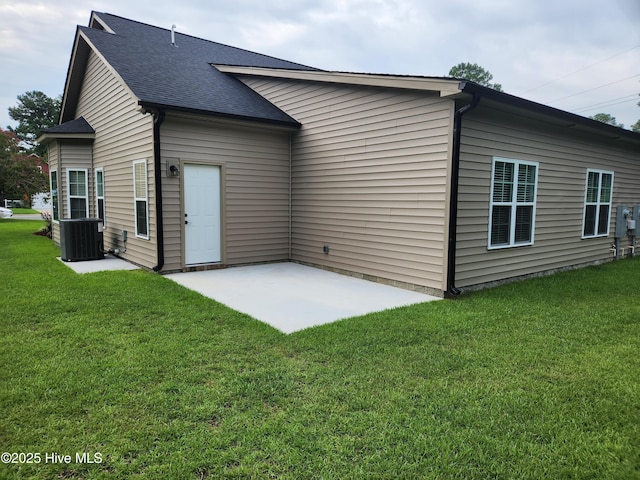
(96, 22)
(75, 71)
(444, 86)
(150, 107)
(76, 68)
(75, 75)
(77, 129)
(47, 138)
(549, 114)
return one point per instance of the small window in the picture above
(55, 196)
(141, 204)
(513, 203)
(77, 194)
(100, 195)
(597, 204)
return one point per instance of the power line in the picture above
(580, 70)
(594, 88)
(604, 107)
(608, 103)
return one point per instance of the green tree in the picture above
(20, 175)
(34, 113)
(475, 73)
(606, 118)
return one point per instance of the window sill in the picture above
(595, 236)
(515, 245)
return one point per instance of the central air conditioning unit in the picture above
(80, 239)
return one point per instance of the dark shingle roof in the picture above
(73, 129)
(79, 125)
(181, 76)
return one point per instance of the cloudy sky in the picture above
(582, 56)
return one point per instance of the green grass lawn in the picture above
(17, 211)
(539, 379)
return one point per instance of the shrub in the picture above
(47, 230)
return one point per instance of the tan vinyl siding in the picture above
(370, 176)
(123, 134)
(75, 155)
(255, 189)
(564, 158)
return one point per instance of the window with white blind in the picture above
(77, 193)
(513, 203)
(597, 204)
(140, 198)
(100, 195)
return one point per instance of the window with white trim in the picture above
(596, 217)
(100, 195)
(513, 203)
(55, 196)
(77, 193)
(140, 197)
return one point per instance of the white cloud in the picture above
(272, 35)
(524, 43)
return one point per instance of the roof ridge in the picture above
(203, 40)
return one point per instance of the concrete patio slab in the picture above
(108, 263)
(292, 297)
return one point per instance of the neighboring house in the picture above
(43, 166)
(209, 155)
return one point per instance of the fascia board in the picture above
(73, 64)
(443, 86)
(46, 138)
(96, 18)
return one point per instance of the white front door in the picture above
(202, 214)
